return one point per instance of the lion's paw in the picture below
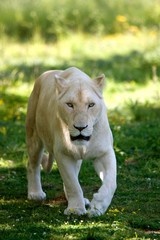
(96, 209)
(75, 211)
(94, 212)
(37, 196)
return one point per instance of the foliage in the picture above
(23, 19)
(133, 101)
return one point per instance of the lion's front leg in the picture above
(78, 167)
(106, 169)
(68, 170)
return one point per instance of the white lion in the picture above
(67, 115)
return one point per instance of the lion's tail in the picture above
(47, 162)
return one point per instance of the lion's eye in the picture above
(91, 105)
(70, 105)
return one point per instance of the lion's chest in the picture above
(89, 152)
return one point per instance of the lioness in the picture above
(67, 115)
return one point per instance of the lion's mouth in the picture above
(80, 138)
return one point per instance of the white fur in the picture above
(61, 103)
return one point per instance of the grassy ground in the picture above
(133, 100)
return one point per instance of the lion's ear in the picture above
(60, 83)
(100, 81)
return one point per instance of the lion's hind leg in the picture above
(47, 162)
(35, 152)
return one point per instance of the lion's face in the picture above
(80, 106)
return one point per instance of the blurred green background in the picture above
(22, 19)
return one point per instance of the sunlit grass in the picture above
(23, 89)
(7, 164)
(76, 46)
(118, 95)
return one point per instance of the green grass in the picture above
(133, 100)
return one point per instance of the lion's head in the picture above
(80, 103)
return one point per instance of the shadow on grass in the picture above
(12, 126)
(129, 67)
(122, 68)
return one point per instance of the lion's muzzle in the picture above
(80, 137)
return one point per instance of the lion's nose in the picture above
(80, 128)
